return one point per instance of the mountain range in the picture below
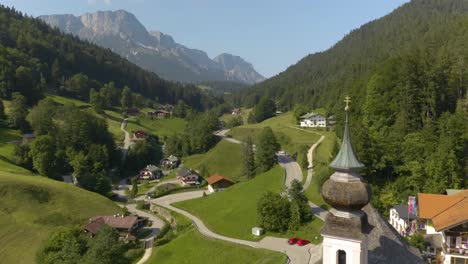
(155, 51)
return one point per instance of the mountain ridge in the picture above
(153, 50)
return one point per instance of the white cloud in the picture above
(107, 2)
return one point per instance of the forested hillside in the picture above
(407, 76)
(34, 58)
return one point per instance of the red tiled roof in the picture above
(445, 211)
(216, 178)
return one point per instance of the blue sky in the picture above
(271, 34)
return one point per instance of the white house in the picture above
(313, 120)
(400, 219)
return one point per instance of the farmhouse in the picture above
(236, 111)
(218, 183)
(27, 138)
(446, 217)
(160, 114)
(170, 162)
(139, 135)
(187, 176)
(313, 120)
(151, 172)
(127, 226)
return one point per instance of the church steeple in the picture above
(344, 240)
(346, 159)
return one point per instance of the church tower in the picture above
(344, 241)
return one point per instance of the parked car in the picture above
(302, 242)
(293, 241)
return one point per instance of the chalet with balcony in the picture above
(313, 120)
(170, 162)
(446, 216)
(159, 114)
(218, 183)
(188, 177)
(127, 226)
(151, 172)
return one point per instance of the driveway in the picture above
(222, 134)
(296, 254)
(292, 168)
(310, 159)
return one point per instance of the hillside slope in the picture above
(31, 206)
(155, 51)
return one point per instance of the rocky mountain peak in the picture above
(155, 51)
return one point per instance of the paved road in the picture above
(222, 134)
(292, 168)
(297, 255)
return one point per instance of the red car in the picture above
(302, 242)
(293, 241)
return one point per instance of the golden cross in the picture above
(347, 101)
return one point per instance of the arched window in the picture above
(341, 257)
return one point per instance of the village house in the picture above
(218, 183)
(27, 138)
(126, 226)
(187, 177)
(446, 217)
(170, 162)
(313, 120)
(151, 172)
(159, 114)
(402, 220)
(139, 135)
(236, 111)
(131, 111)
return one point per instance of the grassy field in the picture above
(239, 202)
(31, 206)
(159, 127)
(224, 159)
(198, 249)
(7, 137)
(291, 139)
(244, 115)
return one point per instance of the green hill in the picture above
(290, 138)
(198, 249)
(31, 206)
(224, 159)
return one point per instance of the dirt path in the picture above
(126, 142)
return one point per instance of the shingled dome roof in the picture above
(346, 159)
